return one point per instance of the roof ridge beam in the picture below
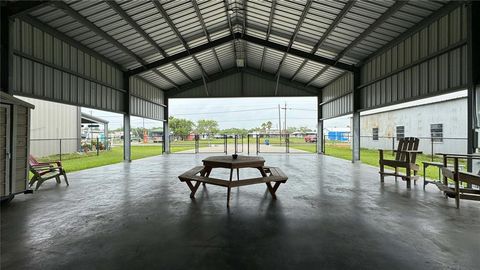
(258, 41)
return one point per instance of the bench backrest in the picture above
(407, 143)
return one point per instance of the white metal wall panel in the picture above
(48, 68)
(337, 97)
(146, 100)
(429, 62)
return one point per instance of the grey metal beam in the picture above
(144, 34)
(292, 39)
(181, 55)
(231, 71)
(473, 77)
(258, 41)
(269, 30)
(300, 53)
(390, 11)
(16, 8)
(74, 14)
(169, 21)
(325, 35)
(356, 104)
(230, 27)
(205, 31)
(433, 17)
(166, 129)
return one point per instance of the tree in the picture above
(180, 126)
(235, 131)
(205, 126)
(304, 129)
(268, 125)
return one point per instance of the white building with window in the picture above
(441, 125)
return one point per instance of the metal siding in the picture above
(337, 97)
(146, 100)
(415, 71)
(253, 86)
(45, 67)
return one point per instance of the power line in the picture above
(246, 110)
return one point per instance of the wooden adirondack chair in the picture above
(405, 157)
(459, 192)
(43, 171)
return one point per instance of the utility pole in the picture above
(285, 125)
(279, 124)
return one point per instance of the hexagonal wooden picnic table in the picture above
(269, 174)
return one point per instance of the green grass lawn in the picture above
(76, 162)
(370, 157)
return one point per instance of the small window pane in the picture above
(375, 134)
(400, 132)
(436, 131)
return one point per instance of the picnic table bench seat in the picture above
(198, 174)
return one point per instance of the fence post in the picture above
(256, 145)
(225, 138)
(197, 145)
(393, 145)
(60, 149)
(287, 142)
(248, 144)
(431, 142)
(324, 144)
(98, 148)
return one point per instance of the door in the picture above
(4, 150)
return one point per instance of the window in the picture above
(400, 132)
(375, 134)
(436, 131)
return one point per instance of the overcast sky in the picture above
(252, 112)
(230, 112)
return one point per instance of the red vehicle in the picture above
(311, 138)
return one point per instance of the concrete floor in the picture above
(331, 214)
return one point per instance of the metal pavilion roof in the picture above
(137, 35)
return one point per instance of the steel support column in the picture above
(166, 129)
(320, 137)
(473, 75)
(5, 56)
(356, 117)
(127, 154)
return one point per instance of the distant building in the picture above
(445, 121)
(50, 122)
(59, 127)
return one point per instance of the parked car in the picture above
(311, 138)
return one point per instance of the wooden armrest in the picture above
(408, 151)
(39, 166)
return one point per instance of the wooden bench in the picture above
(439, 165)
(198, 175)
(458, 176)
